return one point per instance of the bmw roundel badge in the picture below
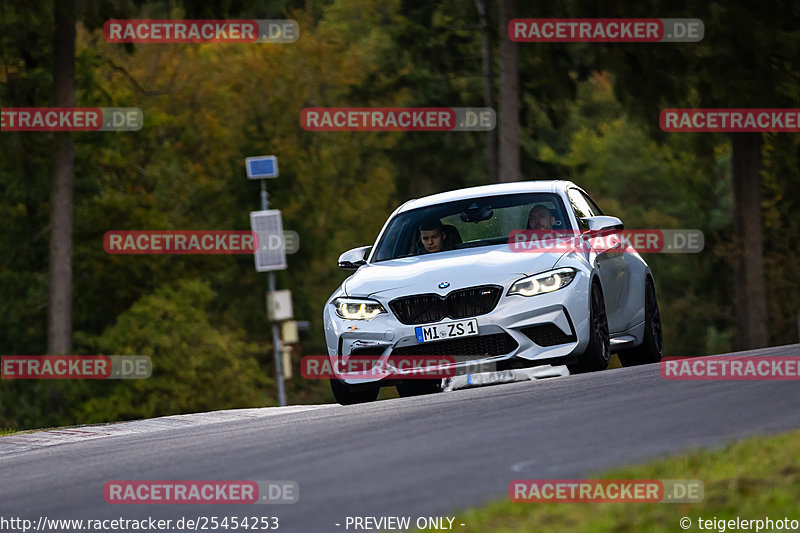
(444, 285)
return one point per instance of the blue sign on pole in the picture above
(261, 167)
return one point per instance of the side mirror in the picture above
(603, 223)
(352, 259)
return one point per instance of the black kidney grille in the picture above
(473, 301)
(463, 303)
(419, 309)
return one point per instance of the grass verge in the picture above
(751, 479)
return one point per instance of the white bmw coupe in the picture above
(445, 278)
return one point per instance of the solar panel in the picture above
(261, 167)
(268, 227)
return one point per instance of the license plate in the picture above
(448, 330)
(490, 378)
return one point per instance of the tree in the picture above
(197, 365)
(508, 118)
(648, 184)
(59, 327)
(488, 83)
(750, 294)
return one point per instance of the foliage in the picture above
(196, 366)
(756, 477)
(588, 112)
(650, 185)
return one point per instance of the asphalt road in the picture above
(423, 456)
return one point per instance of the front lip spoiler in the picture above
(509, 363)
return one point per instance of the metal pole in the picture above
(276, 341)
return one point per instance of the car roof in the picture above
(487, 190)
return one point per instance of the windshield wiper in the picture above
(482, 242)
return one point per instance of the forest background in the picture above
(585, 111)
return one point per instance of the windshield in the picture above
(469, 223)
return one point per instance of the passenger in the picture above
(540, 218)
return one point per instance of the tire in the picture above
(652, 347)
(418, 387)
(345, 396)
(598, 351)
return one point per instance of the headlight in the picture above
(357, 308)
(544, 282)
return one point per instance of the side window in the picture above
(581, 207)
(596, 210)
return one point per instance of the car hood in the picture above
(459, 268)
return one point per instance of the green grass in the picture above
(8, 431)
(752, 479)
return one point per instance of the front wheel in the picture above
(345, 396)
(652, 346)
(599, 349)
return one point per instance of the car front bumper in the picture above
(559, 321)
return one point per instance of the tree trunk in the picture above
(509, 96)
(751, 308)
(59, 327)
(486, 73)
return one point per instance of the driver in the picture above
(432, 235)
